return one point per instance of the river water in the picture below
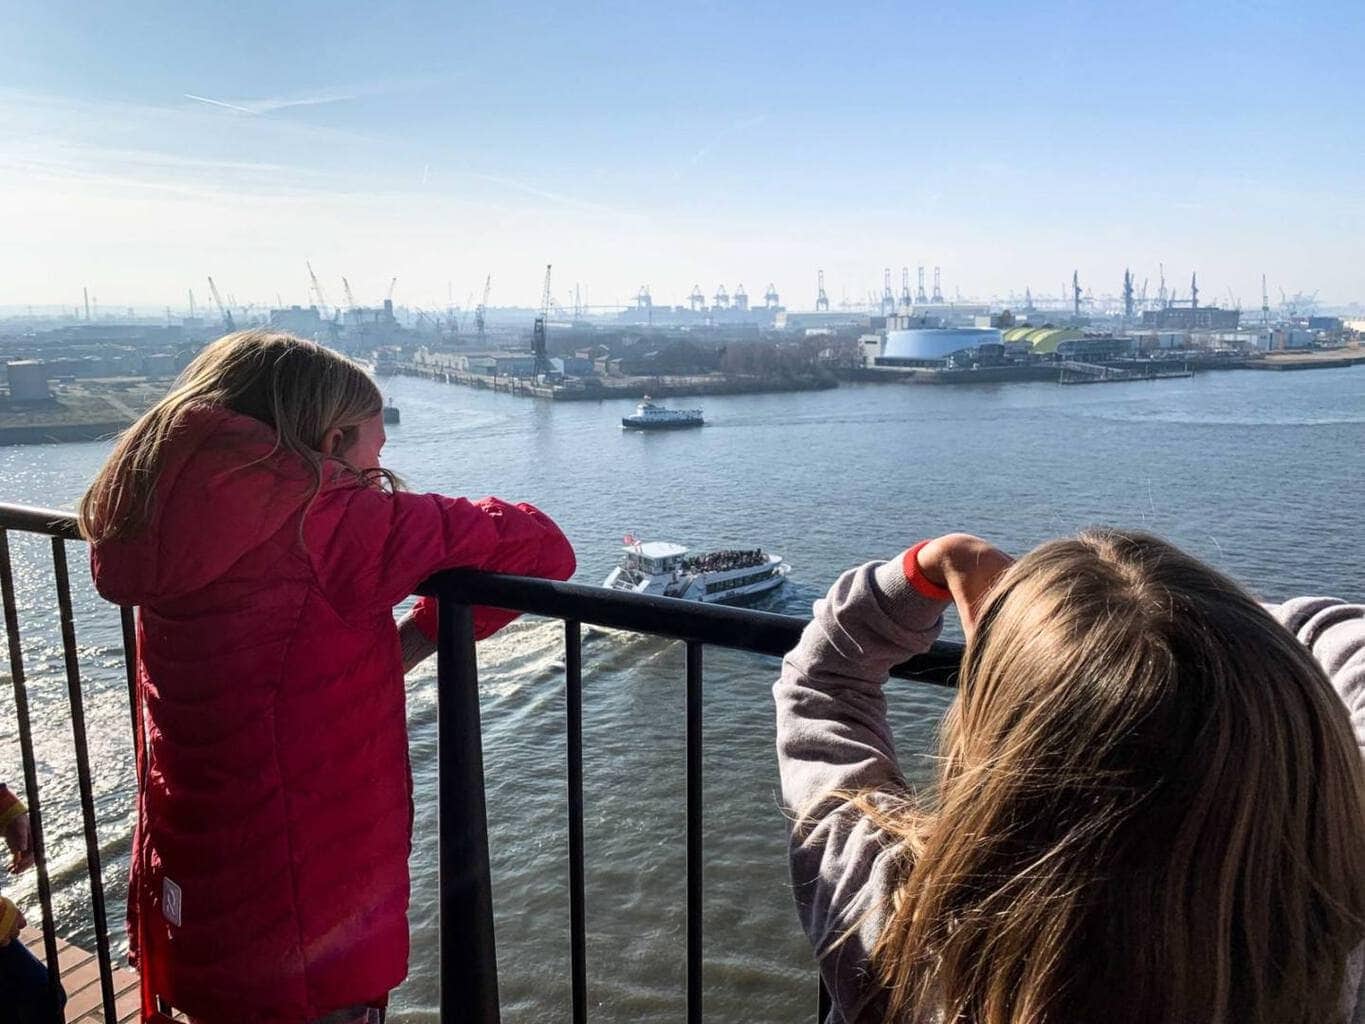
(1260, 473)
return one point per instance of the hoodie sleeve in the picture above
(1334, 632)
(833, 741)
(381, 546)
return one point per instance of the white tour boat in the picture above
(660, 569)
(649, 415)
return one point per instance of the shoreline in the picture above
(602, 389)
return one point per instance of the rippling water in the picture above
(1261, 473)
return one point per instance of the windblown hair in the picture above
(1150, 807)
(299, 389)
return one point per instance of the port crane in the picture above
(538, 348)
(821, 299)
(389, 296)
(350, 299)
(228, 323)
(317, 290)
(482, 311)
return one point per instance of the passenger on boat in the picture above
(248, 518)
(724, 561)
(1148, 804)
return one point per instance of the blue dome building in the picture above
(931, 344)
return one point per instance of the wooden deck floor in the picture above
(81, 979)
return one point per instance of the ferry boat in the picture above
(391, 414)
(661, 569)
(649, 415)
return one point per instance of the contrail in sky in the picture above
(219, 103)
(257, 107)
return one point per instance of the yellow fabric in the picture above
(11, 812)
(9, 915)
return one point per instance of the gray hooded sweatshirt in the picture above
(833, 737)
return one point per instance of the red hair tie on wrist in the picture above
(914, 575)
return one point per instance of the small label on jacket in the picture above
(170, 901)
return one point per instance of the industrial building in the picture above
(1188, 318)
(28, 381)
(928, 346)
(306, 322)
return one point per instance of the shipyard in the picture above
(88, 373)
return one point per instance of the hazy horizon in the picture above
(149, 148)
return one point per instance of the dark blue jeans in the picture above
(25, 995)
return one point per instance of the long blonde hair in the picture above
(1150, 807)
(299, 389)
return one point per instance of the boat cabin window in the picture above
(652, 566)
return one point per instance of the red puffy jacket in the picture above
(269, 868)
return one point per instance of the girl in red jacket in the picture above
(248, 518)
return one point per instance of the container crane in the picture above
(226, 313)
(389, 296)
(821, 299)
(346, 287)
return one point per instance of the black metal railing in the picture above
(61, 528)
(469, 984)
(468, 952)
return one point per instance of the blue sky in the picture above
(144, 146)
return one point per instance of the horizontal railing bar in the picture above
(743, 629)
(47, 521)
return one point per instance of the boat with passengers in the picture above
(650, 415)
(729, 575)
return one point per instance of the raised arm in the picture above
(833, 740)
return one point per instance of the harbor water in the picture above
(1260, 473)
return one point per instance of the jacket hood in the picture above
(223, 490)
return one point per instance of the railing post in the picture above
(87, 796)
(469, 967)
(694, 834)
(573, 700)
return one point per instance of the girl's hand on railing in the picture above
(967, 567)
(19, 839)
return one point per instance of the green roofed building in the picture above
(1046, 339)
